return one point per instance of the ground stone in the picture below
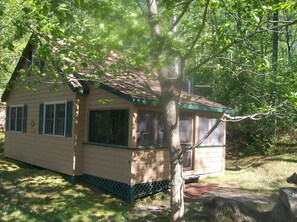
(288, 196)
(285, 209)
(292, 178)
(279, 212)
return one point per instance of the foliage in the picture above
(10, 48)
(229, 62)
(228, 45)
(247, 79)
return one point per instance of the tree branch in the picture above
(181, 15)
(143, 12)
(224, 49)
(186, 56)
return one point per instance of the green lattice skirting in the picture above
(126, 192)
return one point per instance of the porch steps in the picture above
(191, 178)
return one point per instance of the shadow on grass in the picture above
(32, 194)
(1, 142)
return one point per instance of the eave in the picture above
(150, 102)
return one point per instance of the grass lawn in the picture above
(258, 175)
(1, 142)
(32, 194)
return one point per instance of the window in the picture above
(151, 129)
(216, 137)
(16, 118)
(54, 119)
(109, 127)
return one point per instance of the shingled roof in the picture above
(132, 85)
(136, 87)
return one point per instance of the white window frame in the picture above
(16, 106)
(54, 126)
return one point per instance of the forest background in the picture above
(256, 76)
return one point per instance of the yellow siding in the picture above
(52, 152)
(150, 165)
(209, 160)
(107, 162)
(115, 102)
(97, 94)
(79, 134)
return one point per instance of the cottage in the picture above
(111, 135)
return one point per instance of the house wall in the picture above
(150, 165)
(209, 160)
(108, 162)
(103, 160)
(52, 152)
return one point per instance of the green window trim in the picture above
(211, 146)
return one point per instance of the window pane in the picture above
(98, 127)
(151, 129)
(49, 119)
(13, 113)
(60, 119)
(118, 127)
(19, 121)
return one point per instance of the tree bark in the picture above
(275, 39)
(170, 87)
(176, 168)
(170, 78)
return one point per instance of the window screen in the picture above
(216, 137)
(151, 129)
(109, 127)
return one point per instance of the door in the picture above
(186, 139)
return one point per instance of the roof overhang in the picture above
(140, 101)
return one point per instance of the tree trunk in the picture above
(170, 78)
(171, 110)
(275, 39)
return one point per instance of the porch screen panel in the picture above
(108, 127)
(186, 135)
(216, 137)
(186, 129)
(151, 129)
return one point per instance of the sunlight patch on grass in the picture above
(33, 194)
(5, 166)
(259, 175)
